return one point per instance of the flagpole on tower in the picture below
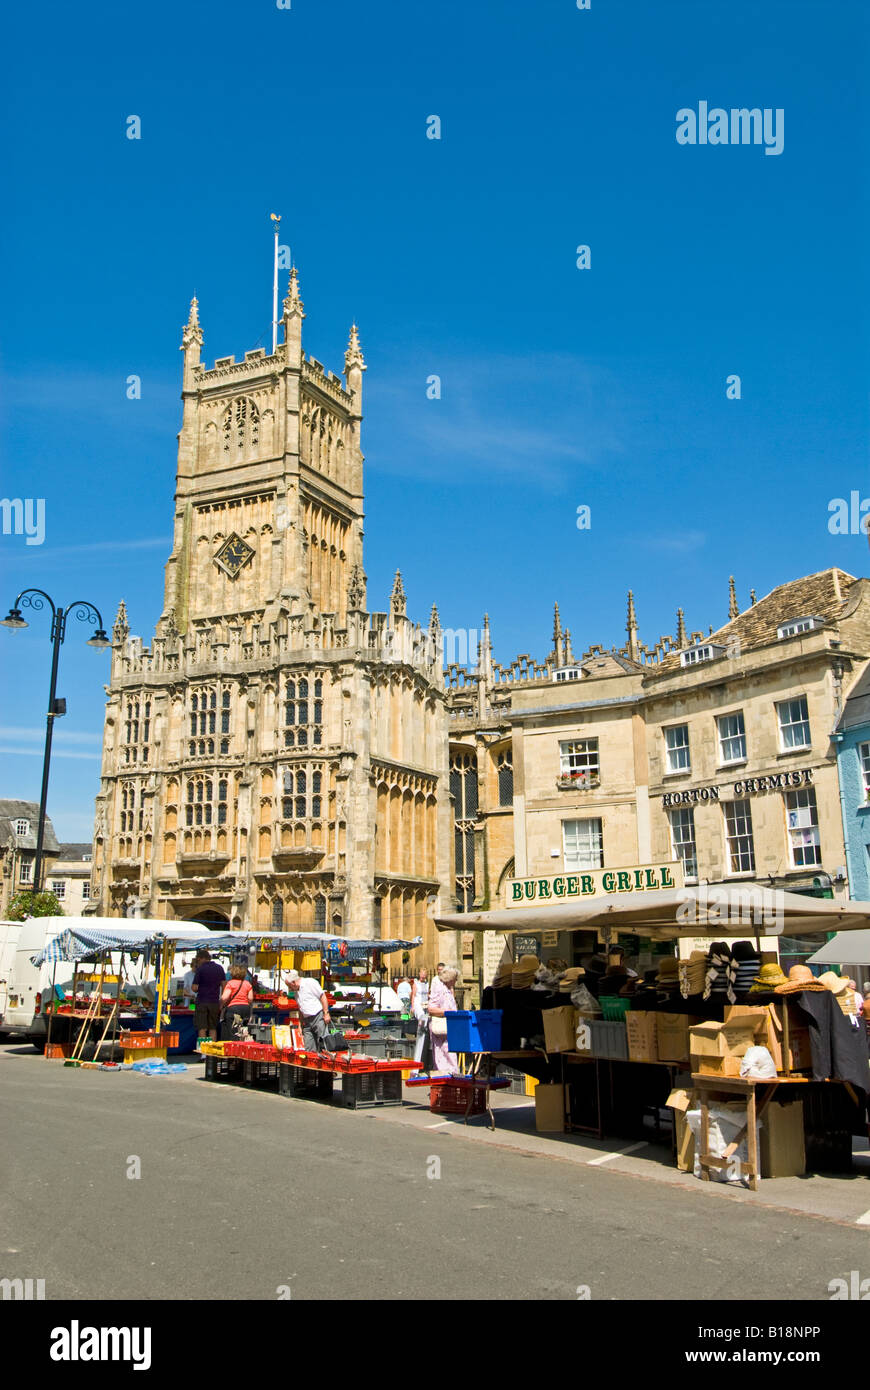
(276, 223)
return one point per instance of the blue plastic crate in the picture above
(478, 1031)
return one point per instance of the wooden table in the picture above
(740, 1086)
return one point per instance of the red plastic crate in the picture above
(149, 1040)
(453, 1099)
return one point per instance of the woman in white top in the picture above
(419, 1002)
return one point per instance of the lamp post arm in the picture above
(37, 604)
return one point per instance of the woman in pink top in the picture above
(236, 998)
(442, 1001)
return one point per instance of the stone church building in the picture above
(277, 754)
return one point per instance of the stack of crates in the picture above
(365, 1088)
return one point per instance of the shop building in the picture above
(742, 761)
(70, 878)
(712, 750)
(19, 823)
(277, 752)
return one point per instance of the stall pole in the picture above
(165, 956)
(52, 1007)
(118, 1014)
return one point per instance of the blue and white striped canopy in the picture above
(84, 937)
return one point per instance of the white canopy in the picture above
(853, 949)
(714, 910)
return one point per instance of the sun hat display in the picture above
(569, 979)
(767, 979)
(842, 991)
(834, 982)
(523, 973)
(800, 977)
(693, 973)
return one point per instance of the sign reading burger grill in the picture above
(777, 781)
(645, 878)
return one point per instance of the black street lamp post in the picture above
(85, 612)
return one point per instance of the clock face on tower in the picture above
(233, 555)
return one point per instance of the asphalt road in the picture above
(244, 1194)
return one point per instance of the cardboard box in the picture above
(672, 1036)
(550, 1108)
(681, 1102)
(770, 1033)
(783, 1154)
(715, 1066)
(560, 1029)
(716, 1049)
(800, 1052)
(641, 1030)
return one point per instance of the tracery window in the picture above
(207, 706)
(303, 793)
(137, 730)
(303, 712)
(463, 789)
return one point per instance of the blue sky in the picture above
(560, 387)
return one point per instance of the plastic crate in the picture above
(458, 1098)
(613, 1008)
(381, 1087)
(304, 1083)
(474, 1031)
(58, 1049)
(260, 1074)
(212, 1049)
(222, 1069)
(147, 1041)
(609, 1039)
(306, 960)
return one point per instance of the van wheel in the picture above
(39, 1044)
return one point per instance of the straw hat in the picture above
(841, 990)
(769, 978)
(835, 983)
(800, 977)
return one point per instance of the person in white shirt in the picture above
(187, 982)
(313, 1007)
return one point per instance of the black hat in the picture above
(744, 950)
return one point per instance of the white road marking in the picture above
(863, 1220)
(438, 1126)
(605, 1158)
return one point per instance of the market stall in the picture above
(629, 1031)
(269, 1048)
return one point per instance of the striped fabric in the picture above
(81, 943)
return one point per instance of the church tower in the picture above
(277, 755)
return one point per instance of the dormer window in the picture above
(796, 625)
(568, 673)
(708, 651)
(22, 827)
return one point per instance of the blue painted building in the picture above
(853, 767)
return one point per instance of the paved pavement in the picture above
(246, 1194)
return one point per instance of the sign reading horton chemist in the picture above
(777, 781)
(643, 878)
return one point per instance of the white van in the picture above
(21, 982)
